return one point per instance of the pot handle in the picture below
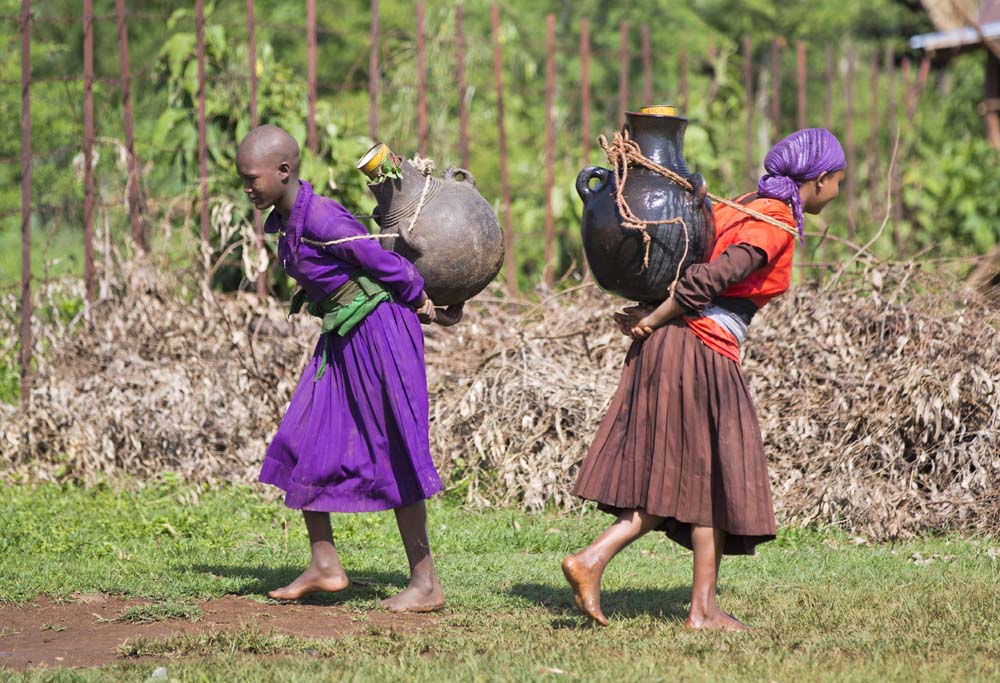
(586, 175)
(464, 175)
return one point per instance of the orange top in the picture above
(765, 283)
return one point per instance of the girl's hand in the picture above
(425, 309)
(629, 319)
(446, 317)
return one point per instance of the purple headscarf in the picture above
(802, 156)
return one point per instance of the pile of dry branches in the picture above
(879, 397)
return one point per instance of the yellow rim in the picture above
(373, 158)
(660, 110)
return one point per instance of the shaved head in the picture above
(269, 145)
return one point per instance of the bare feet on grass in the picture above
(585, 580)
(312, 580)
(417, 597)
(714, 620)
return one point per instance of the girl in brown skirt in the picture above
(680, 448)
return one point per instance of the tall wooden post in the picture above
(585, 87)
(751, 163)
(682, 78)
(775, 90)
(873, 134)
(134, 196)
(502, 143)
(421, 82)
(373, 75)
(550, 88)
(463, 102)
(622, 72)
(258, 223)
(828, 100)
(26, 311)
(647, 67)
(849, 144)
(800, 84)
(88, 149)
(199, 10)
(312, 139)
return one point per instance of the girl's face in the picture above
(264, 182)
(821, 191)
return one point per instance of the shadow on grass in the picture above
(667, 605)
(259, 580)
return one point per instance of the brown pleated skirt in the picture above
(681, 440)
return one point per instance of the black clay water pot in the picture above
(455, 242)
(616, 253)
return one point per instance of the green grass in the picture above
(824, 606)
(161, 611)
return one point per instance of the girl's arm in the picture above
(697, 288)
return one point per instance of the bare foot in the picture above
(312, 580)
(717, 620)
(415, 598)
(586, 584)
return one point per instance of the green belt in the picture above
(344, 309)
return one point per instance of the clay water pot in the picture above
(455, 242)
(615, 253)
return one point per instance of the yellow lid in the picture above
(371, 162)
(659, 110)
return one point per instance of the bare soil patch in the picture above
(85, 633)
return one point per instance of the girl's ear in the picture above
(284, 171)
(820, 179)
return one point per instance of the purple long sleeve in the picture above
(702, 282)
(321, 269)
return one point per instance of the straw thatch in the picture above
(879, 398)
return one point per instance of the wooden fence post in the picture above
(849, 144)
(258, 222)
(25, 206)
(373, 75)
(585, 87)
(88, 149)
(135, 208)
(751, 163)
(550, 87)
(622, 72)
(312, 137)
(682, 79)
(199, 9)
(502, 143)
(800, 82)
(463, 104)
(647, 67)
(421, 83)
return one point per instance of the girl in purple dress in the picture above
(355, 436)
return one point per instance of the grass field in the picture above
(825, 606)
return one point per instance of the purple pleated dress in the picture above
(355, 440)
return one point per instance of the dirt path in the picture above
(84, 633)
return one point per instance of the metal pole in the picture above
(373, 76)
(421, 82)
(463, 104)
(313, 139)
(502, 142)
(25, 203)
(134, 199)
(199, 9)
(550, 87)
(88, 149)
